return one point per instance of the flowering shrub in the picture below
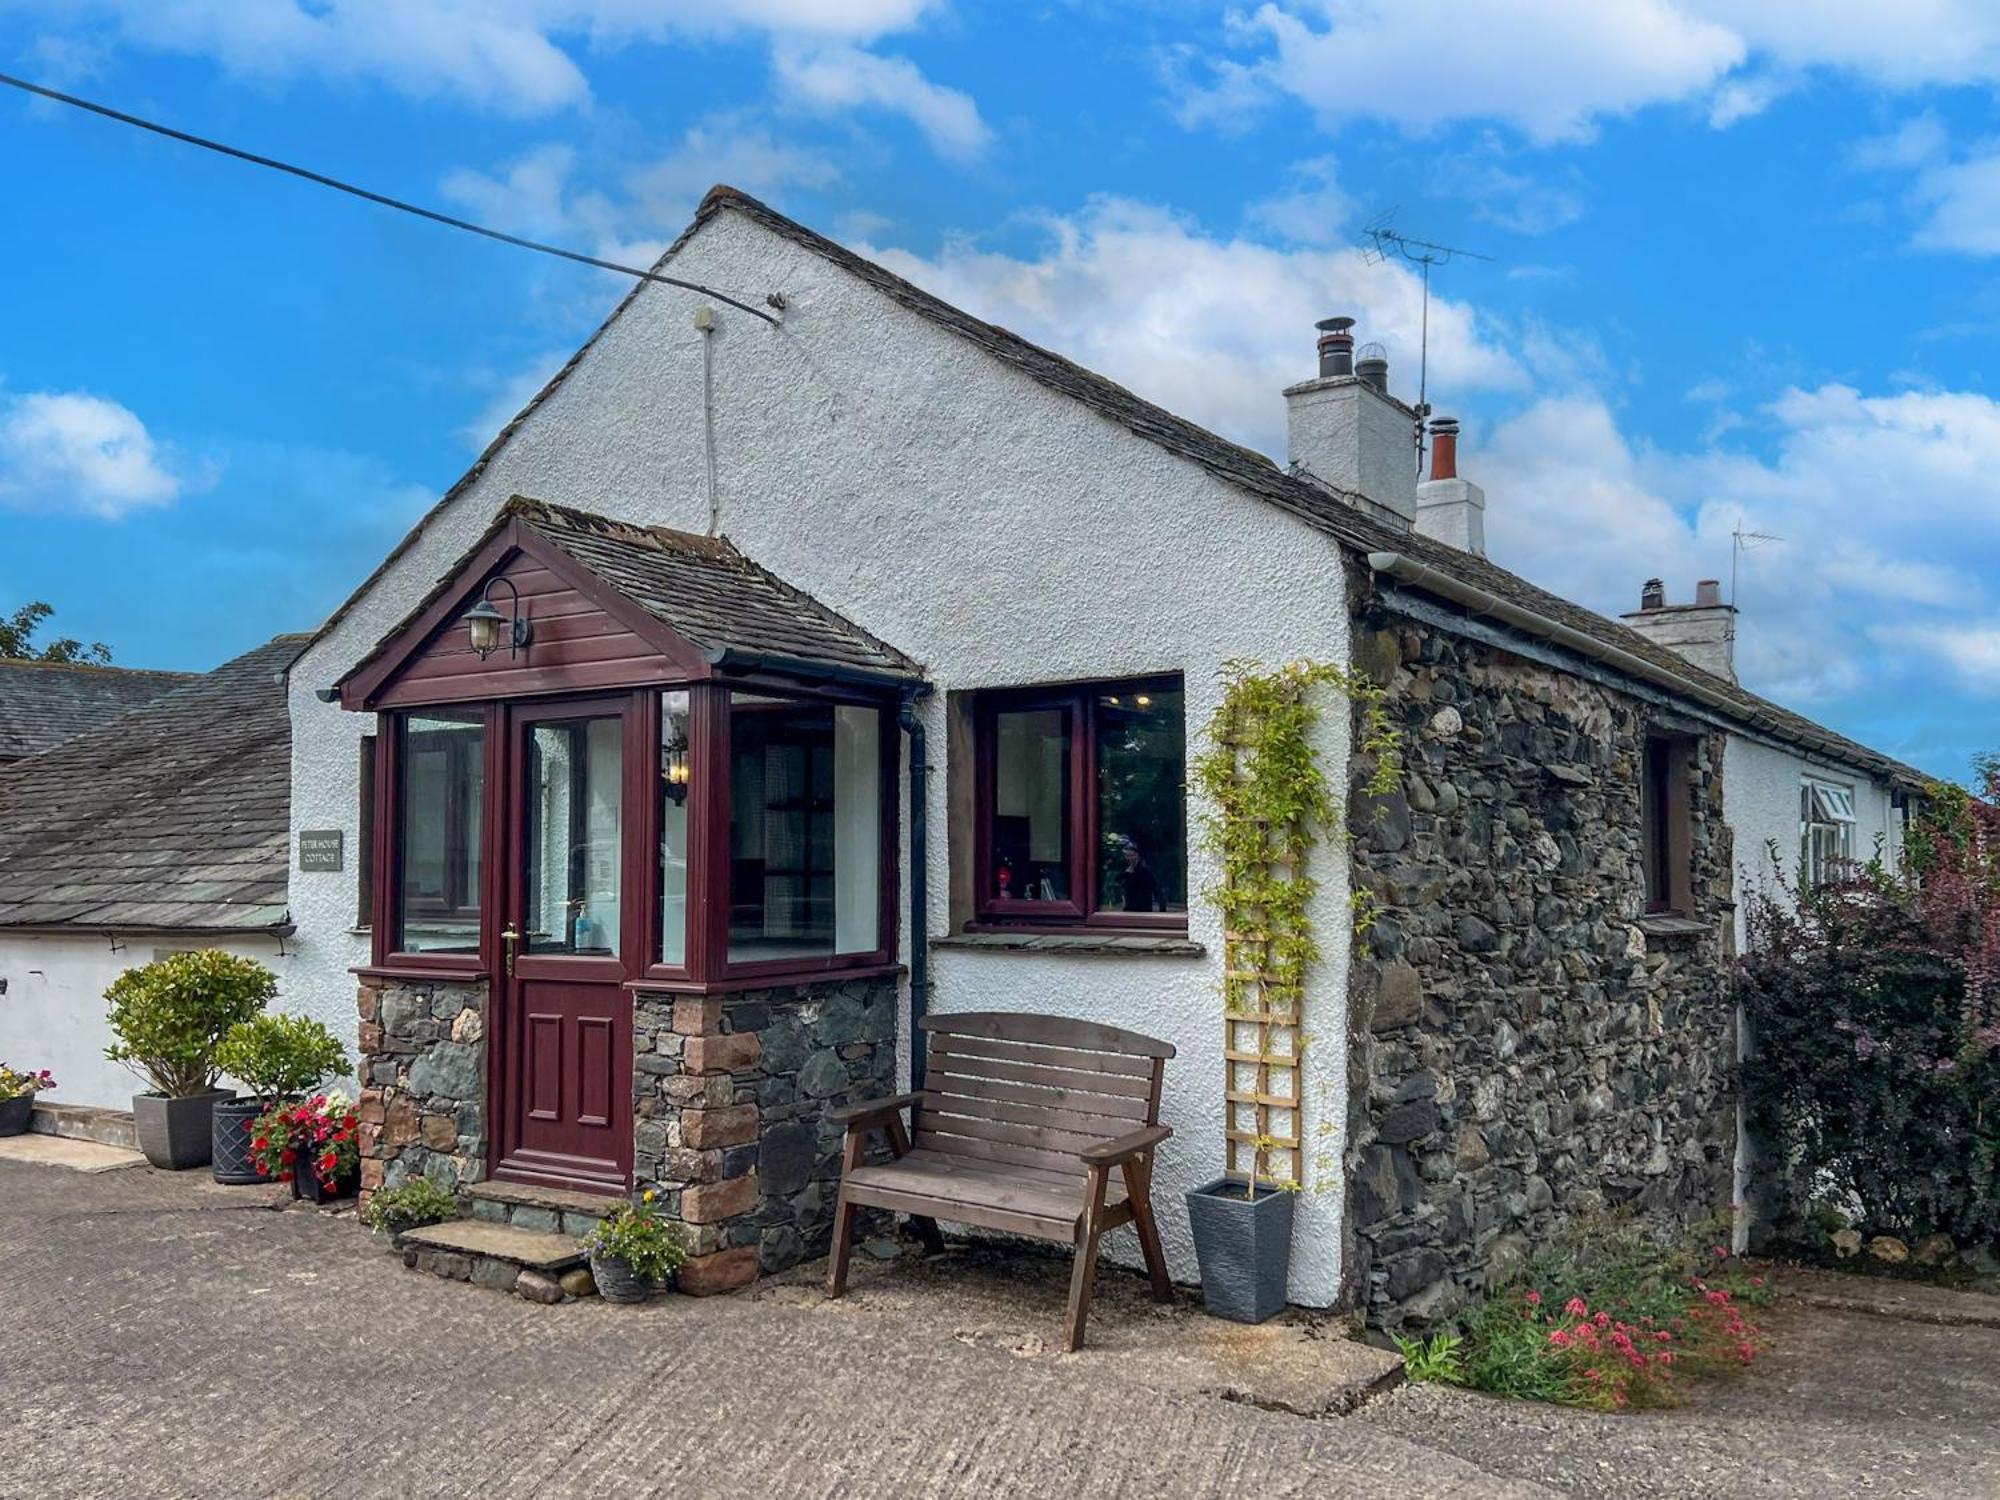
(1614, 1324)
(636, 1234)
(15, 1085)
(321, 1131)
(1875, 1009)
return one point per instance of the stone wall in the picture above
(1527, 1048)
(423, 1082)
(731, 1096)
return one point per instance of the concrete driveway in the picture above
(166, 1337)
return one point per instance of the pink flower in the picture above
(1576, 1307)
(1534, 1299)
(1559, 1339)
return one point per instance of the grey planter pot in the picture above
(16, 1113)
(175, 1133)
(617, 1281)
(231, 1142)
(1244, 1249)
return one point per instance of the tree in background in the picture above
(17, 643)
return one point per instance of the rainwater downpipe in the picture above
(704, 319)
(920, 966)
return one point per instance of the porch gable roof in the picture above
(698, 599)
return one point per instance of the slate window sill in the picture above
(1674, 927)
(1074, 944)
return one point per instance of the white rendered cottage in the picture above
(633, 896)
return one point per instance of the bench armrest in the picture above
(870, 1113)
(1125, 1147)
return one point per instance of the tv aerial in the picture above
(1385, 242)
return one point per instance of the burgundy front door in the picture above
(563, 1026)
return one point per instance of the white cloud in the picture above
(1960, 202)
(512, 58)
(1972, 651)
(1210, 327)
(1315, 210)
(1553, 69)
(71, 451)
(830, 78)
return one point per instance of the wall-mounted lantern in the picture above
(488, 627)
(674, 769)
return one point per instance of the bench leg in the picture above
(1139, 1190)
(843, 1219)
(927, 1231)
(1083, 1275)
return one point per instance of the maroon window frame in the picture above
(1078, 702)
(707, 968)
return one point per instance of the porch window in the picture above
(438, 836)
(805, 829)
(1081, 805)
(676, 781)
(575, 813)
(1826, 831)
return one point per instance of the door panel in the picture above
(564, 1036)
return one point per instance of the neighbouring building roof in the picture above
(707, 592)
(43, 703)
(1333, 512)
(173, 818)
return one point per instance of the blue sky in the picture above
(1744, 267)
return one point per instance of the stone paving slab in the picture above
(1889, 1297)
(1012, 1296)
(521, 1247)
(61, 1151)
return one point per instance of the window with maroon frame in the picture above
(439, 813)
(1081, 805)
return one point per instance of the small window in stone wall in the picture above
(1666, 836)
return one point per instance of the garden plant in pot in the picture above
(170, 1017)
(281, 1059)
(1243, 1242)
(17, 1097)
(633, 1251)
(313, 1143)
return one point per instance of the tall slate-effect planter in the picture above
(176, 1133)
(15, 1114)
(233, 1121)
(1244, 1248)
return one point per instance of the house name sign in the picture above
(320, 849)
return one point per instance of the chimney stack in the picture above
(1704, 631)
(1450, 509)
(1346, 431)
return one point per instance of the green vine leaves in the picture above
(1268, 804)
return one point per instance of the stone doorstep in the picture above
(556, 1200)
(81, 1122)
(551, 1254)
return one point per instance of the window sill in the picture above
(1666, 925)
(1076, 944)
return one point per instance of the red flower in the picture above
(1534, 1299)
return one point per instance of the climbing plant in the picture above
(1269, 803)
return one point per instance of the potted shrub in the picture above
(411, 1205)
(17, 1097)
(1243, 1243)
(633, 1250)
(170, 1017)
(314, 1144)
(281, 1058)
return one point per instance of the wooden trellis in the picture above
(1261, 1056)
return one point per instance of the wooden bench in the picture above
(1019, 1127)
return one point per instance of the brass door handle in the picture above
(511, 938)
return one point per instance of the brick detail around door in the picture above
(423, 1082)
(730, 1101)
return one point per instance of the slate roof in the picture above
(175, 817)
(1326, 509)
(707, 592)
(43, 703)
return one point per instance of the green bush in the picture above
(636, 1234)
(171, 1015)
(416, 1203)
(280, 1056)
(1437, 1360)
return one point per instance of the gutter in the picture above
(730, 659)
(1481, 601)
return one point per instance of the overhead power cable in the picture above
(320, 178)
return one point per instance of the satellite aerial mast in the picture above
(1387, 243)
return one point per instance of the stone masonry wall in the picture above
(1527, 1049)
(423, 1079)
(731, 1096)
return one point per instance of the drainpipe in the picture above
(920, 965)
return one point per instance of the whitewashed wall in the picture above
(997, 532)
(52, 1015)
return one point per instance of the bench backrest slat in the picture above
(1033, 1091)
